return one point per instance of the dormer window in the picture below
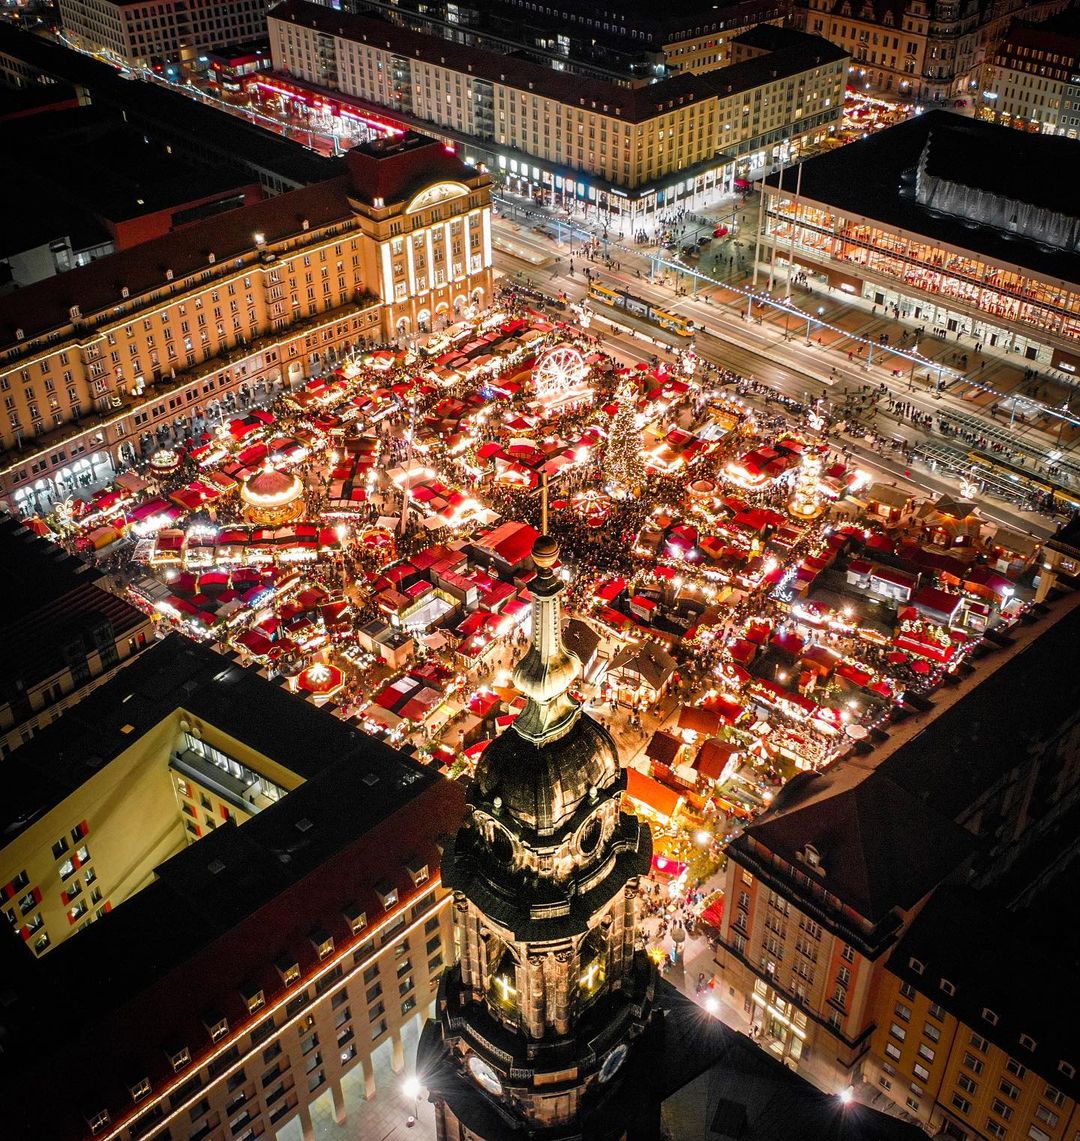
(355, 917)
(1027, 1042)
(217, 1025)
(98, 1121)
(990, 1016)
(916, 966)
(288, 968)
(948, 987)
(1067, 1068)
(179, 1056)
(418, 871)
(322, 942)
(253, 997)
(811, 856)
(387, 893)
(139, 1089)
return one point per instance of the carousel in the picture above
(272, 498)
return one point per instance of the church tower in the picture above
(537, 1019)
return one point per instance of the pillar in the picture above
(338, 1096)
(397, 1056)
(369, 1078)
(305, 1123)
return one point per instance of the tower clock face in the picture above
(612, 1062)
(485, 1076)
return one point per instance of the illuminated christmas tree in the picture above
(806, 500)
(624, 466)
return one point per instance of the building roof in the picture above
(170, 115)
(170, 675)
(875, 178)
(96, 288)
(632, 104)
(92, 158)
(222, 912)
(580, 639)
(391, 169)
(877, 847)
(650, 662)
(51, 605)
(718, 1085)
(949, 939)
(1019, 707)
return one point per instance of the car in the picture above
(704, 241)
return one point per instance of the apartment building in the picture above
(1032, 78)
(969, 1049)
(141, 33)
(64, 633)
(566, 139)
(825, 885)
(925, 218)
(95, 370)
(272, 918)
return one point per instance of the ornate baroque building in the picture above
(536, 1021)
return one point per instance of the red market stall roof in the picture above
(729, 711)
(652, 795)
(696, 719)
(713, 757)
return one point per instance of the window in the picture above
(892, 1050)
(926, 1052)
(974, 1064)
(1047, 1116)
(1016, 1069)
(1054, 1096)
(1037, 1134)
(947, 987)
(98, 1121)
(967, 1083)
(217, 1026)
(897, 1032)
(979, 1043)
(140, 1089)
(903, 1012)
(1011, 1091)
(995, 1128)
(961, 1103)
(1067, 1068)
(1001, 1109)
(60, 847)
(990, 1016)
(907, 990)
(921, 1072)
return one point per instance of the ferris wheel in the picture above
(560, 368)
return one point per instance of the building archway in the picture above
(423, 321)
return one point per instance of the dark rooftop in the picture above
(93, 159)
(878, 847)
(51, 604)
(874, 178)
(964, 937)
(1019, 707)
(170, 116)
(173, 674)
(222, 911)
(393, 168)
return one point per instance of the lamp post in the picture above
(410, 1087)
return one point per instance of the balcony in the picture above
(245, 796)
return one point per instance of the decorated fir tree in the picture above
(624, 466)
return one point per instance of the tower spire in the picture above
(548, 670)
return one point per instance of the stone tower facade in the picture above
(539, 1016)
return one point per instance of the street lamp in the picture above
(410, 1087)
